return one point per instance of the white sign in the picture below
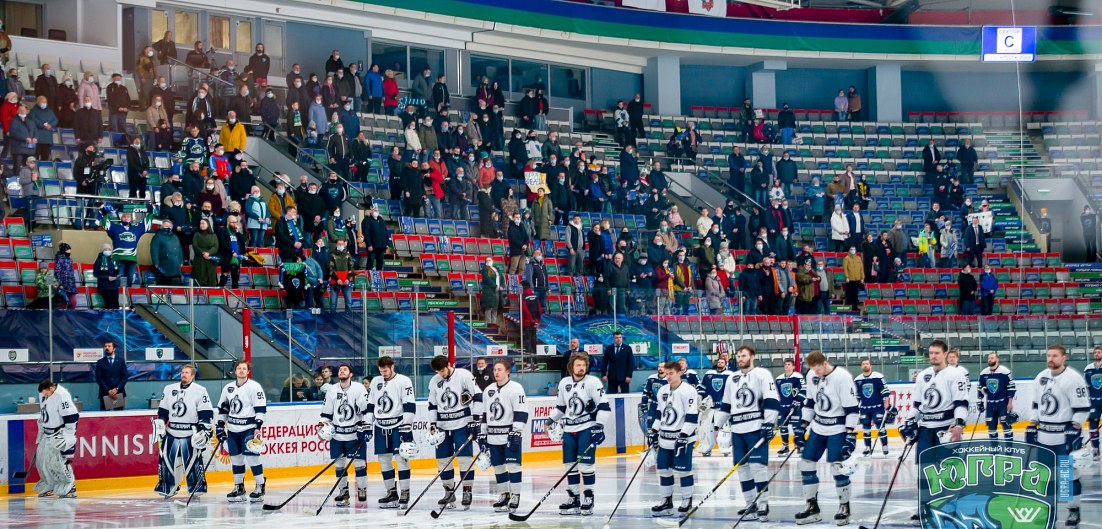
(160, 353)
(592, 349)
(393, 351)
(987, 218)
(715, 8)
(15, 355)
(1008, 44)
(545, 350)
(679, 349)
(639, 348)
(496, 350)
(440, 350)
(87, 354)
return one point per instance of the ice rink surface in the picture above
(143, 508)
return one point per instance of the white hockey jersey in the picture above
(184, 407)
(58, 412)
(506, 411)
(940, 397)
(831, 405)
(451, 400)
(391, 402)
(1059, 401)
(580, 404)
(677, 414)
(345, 409)
(242, 407)
(749, 399)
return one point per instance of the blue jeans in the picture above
(347, 291)
(129, 270)
(749, 305)
(117, 121)
(256, 237)
(787, 134)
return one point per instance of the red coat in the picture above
(7, 112)
(390, 93)
(437, 183)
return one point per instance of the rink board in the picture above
(121, 444)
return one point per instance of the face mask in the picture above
(87, 104)
(340, 130)
(118, 83)
(317, 101)
(202, 95)
(681, 258)
(500, 178)
(232, 121)
(434, 157)
(298, 84)
(348, 107)
(853, 252)
(336, 57)
(177, 204)
(157, 104)
(163, 86)
(470, 158)
(279, 191)
(485, 120)
(375, 214)
(69, 84)
(89, 79)
(42, 105)
(22, 115)
(340, 248)
(166, 229)
(107, 253)
(517, 222)
(758, 246)
(210, 188)
(49, 72)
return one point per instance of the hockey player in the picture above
(1060, 408)
(57, 441)
(241, 409)
(1093, 376)
(648, 405)
(954, 360)
(502, 433)
(995, 398)
(674, 432)
(750, 406)
(183, 428)
(830, 418)
(344, 425)
(451, 394)
(790, 392)
(390, 409)
(711, 393)
(688, 375)
(940, 403)
(581, 410)
(875, 401)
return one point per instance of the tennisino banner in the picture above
(987, 485)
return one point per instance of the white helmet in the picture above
(436, 437)
(407, 451)
(1081, 459)
(554, 431)
(850, 466)
(650, 459)
(483, 461)
(724, 440)
(200, 438)
(325, 431)
(254, 444)
(706, 403)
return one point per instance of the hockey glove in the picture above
(1011, 417)
(515, 439)
(849, 444)
(1073, 439)
(474, 428)
(1031, 434)
(405, 434)
(597, 434)
(909, 430)
(481, 440)
(893, 413)
(768, 432)
(981, 407)
(220, 432)
(363, 433)
(159, 429)
(799, 434)
(652, 437)
(682, 443)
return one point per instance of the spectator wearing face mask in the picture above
(106, 271)
(137, 168)
(118, 103)
(989, 288)
(258, 217)
(23, 135)
(167, 255)
(854, 270)
(339, 150)
(233, 134)
(376, 239)
(201, 110)
(46, 85)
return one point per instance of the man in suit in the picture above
(974, 242)
(856, 226)
(618, 365)
(931, 157)
(575, 244)
(111, 376)
(575, 347)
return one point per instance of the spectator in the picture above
(259, 65)
(107, 273)
(931, 158)
(7, 113)
(854, 102)
(950, 245)
(786, 121)
(736, 163)
(205, 262)
(968, 158)
(231, 249)
(749, 285)
(166, 49)
(856, 224)
(530, 314)
(854, 270)
(334, 63)
(15, 84)
(295, 389)
(145, 72)
(618, 277)
(314, 286)
(989, 287)
(968, 286)
(201, 111)
(841, 106)
(377, 239)
(762, 133)
(46, 85)
(166, 254)
(597, 249)
(339, 151)
(746, 120)
(341, 275)
(320, 253)
(543, 215)
(390, 93)
(927, 246)
(137, 168)
(542, 109)
(620, 116)
(441, 97)
(111, 376)
(413, 189)
(258, 218)
(118, 103)
(714, 292)
(45, 122)
(280, 201)
(288, 234)
(1089, 221)
(684, 282)
(372, 94)
(125, 235)
(975, 241)
(508, 204)
(23, 136)
(168, 97)
(46, 283)
(518, 245)
(824, 289)
(807, 287)
(242, 181)
(197, 58)
(635, 110)
(575, 246)
(158, 119)
(491, 292)
(618, 365)
(318, 116)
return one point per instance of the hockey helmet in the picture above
(1081, 459)
(849, 466)
(436, 437)
(554, 431)
(407, 451)
(254, 444)
(483, 461)
(650, 459)
(325, 431)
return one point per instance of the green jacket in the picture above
(166, 254)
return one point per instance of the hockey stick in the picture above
(762, 491)
(665, 522)
(625, 493)
(446, 467)
(179, 503)
(902, 457)
(268, 507)
(437, 512)
(334, 488)
(23, 474)
(523, 517)
(187, 470)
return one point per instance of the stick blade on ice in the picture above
(669, 522)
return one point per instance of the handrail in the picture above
(725, 188)
(199, 72)
(191, 321)
(354, 198)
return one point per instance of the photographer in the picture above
(89, 170)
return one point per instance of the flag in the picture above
(653, 5)
(715, 8)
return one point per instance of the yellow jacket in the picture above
(926, 241)
(232, 137)
(853, 268)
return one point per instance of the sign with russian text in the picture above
(87, 354)
(1009, 44)
(393, 351)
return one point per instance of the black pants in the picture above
(617, 386)
(853, 288)
(110, 297)
(375, 259)
(138, 187)
(637, 129)
(374, 105)
(230, 272)
(42, 151)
